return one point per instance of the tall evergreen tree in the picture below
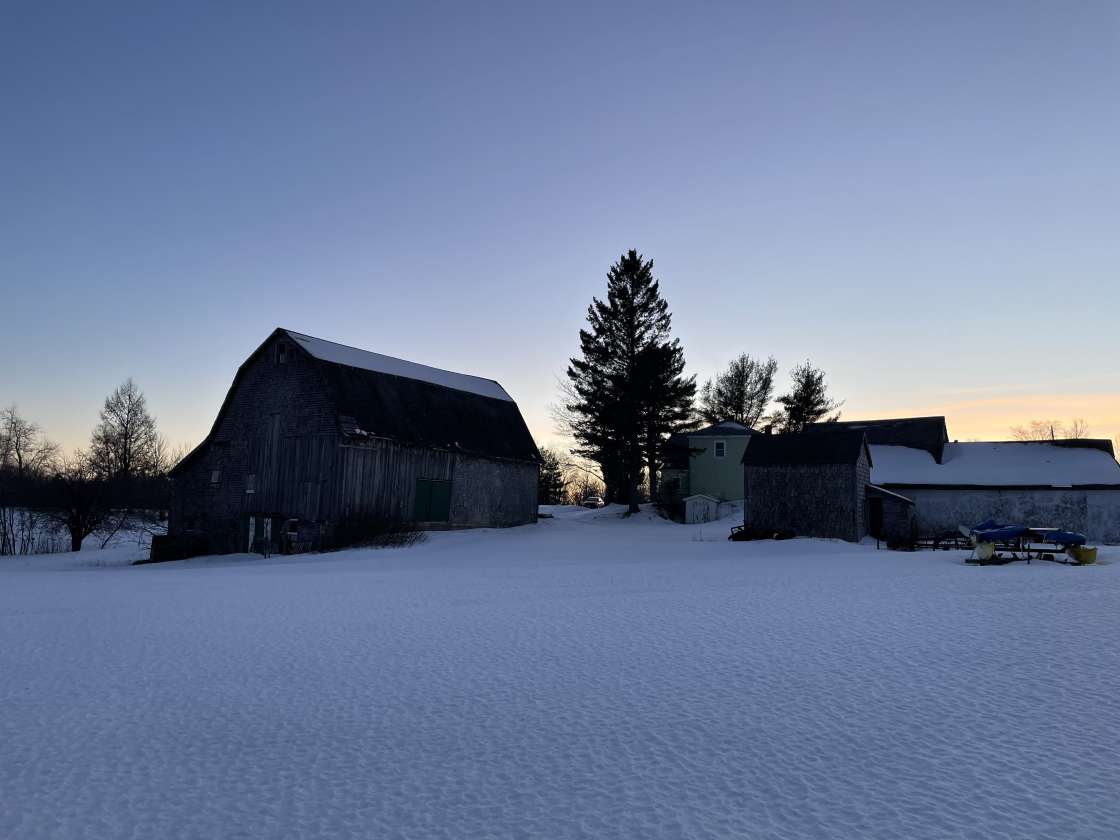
(667, 404)
(808, 402)
(628, 385)
(741, 393)
(552, 483)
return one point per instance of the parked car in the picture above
(593, 502)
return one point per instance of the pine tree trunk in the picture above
(75, 540)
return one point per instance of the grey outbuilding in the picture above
(813, 484)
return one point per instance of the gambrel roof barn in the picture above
(314, 434)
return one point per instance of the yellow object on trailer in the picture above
(1082, 555)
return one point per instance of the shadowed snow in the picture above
(588, 676)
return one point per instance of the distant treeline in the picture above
(118, 480)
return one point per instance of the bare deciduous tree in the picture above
(78, 499)
(581, 479)
(125, 442)
(25, 457)
(1077, 429)
(172, 457)
(23, 448)
(741, 393)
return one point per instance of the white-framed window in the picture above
(250, 484)
(721, 449)
(215, 476)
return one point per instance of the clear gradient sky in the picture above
(924, 199)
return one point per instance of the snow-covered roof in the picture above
(994, 465)
(341, 354)
(885, 492)
(728, 428)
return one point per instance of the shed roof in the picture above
(999, 464)
(876, 490)
(835, 446)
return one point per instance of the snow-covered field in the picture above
(584, 677)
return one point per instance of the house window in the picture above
(282, 353)
(250, 484)
(215, 477)
(721, 449)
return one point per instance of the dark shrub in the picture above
(372, 533)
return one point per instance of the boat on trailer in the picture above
(995, 543)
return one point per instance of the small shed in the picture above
(811, 483)
(701, 508)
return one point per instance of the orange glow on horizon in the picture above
(992, 418)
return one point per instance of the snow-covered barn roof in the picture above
(998, 464)
(378, 396)
(342, 354)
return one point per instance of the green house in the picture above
(707, 462)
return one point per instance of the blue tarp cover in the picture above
(991, 531)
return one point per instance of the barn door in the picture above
(260, 535)
(875, 517)
(433, 500)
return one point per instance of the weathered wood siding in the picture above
(812, 500)
(279, 436)
(378, 478)
(280, 426)
(861, 477)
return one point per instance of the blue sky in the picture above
(924, 199)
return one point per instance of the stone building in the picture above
(314, 435)
(1068, 484)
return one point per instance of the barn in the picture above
(316, 437)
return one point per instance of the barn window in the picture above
(215, 476)
(433, 500)
(250, 484)
(282, 353)
(721, 449)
